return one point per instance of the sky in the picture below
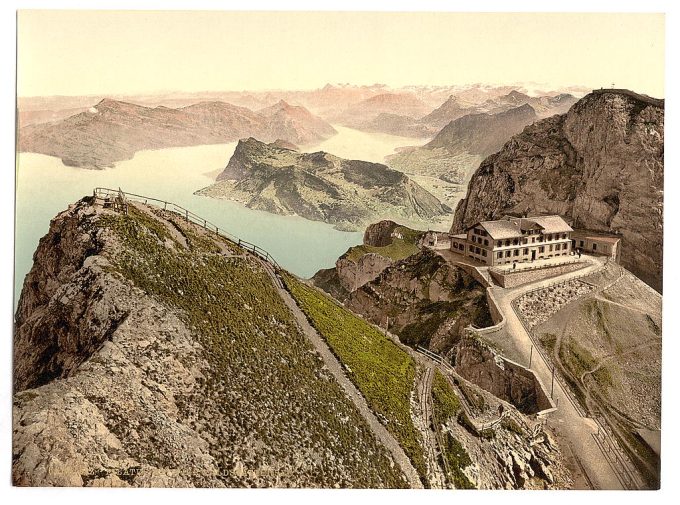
(135, 52)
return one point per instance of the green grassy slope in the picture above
(265, 387)
(382, 371)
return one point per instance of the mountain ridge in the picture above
(320, 186)
(113, 130)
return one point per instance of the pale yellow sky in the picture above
(125, 52)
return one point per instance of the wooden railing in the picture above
(118, 195)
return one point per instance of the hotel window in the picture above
(549, 237)
(594, 247)
(507, 243)
(499, 255)
(526, 251)
(516, 252)
(550, 248)
(507, 254)
(483, 252)
(580, 243)
(499, 243)
(564, 246)
(541, 249)
(486, 242)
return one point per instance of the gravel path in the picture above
(335, 368)
(574, 429)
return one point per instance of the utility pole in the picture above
(552, 382)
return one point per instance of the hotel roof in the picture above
(511, 227)
(552, 224)
(501, 229)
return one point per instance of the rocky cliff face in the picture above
(321, 187)
(140, 346)
(384, 243)
(112, 130)
(479, 364)
(427, 301)
(600, 165)
(380, 234)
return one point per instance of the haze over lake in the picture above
(45, 187)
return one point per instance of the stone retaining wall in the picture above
(496, 316)
(516, 278)
(501, 377)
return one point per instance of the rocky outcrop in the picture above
(112, 130)
(321, 187)
(508, 381)
(425, 301)
(352, 274)
(600, 166)
(384, 243)
(379, 234)
(136, 356)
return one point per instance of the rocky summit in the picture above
(321, 187)
(148, 352)
(600, 165)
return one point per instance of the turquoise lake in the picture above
(45, 187)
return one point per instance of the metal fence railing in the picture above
(116, 195)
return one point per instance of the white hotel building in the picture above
(515, 239)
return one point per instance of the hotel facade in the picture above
(515, 240)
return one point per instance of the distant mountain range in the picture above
(403, 118)
(390, 104)
(112, 130)
(321, 187)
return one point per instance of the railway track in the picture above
(435, 443)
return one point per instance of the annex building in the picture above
(515, 239)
